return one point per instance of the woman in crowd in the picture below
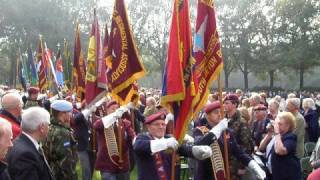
(283, 157)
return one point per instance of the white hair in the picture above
(294, 101)
(33, 117)
(4, 126)
(308, 103)
(275, 102)
(255, 97)
(291, 95)
(11, 100)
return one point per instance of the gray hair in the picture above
(291, 95)
(294, 101)
(255, 97)
(11, 100)
(275, 102)
(33, 117)
(308, 103)
(4, 126)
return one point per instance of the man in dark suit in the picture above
(25, 159)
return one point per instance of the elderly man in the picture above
(26, 159)
(211, 134)
(11, 111)
(260, 125)
(60, 146)
(5, 144)
(152, 150)
(293, 106)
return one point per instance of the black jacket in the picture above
(25, 162)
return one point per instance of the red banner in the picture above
(206, 50)
(41, 67)
(122, 56)
(79, 68)
(94, 73)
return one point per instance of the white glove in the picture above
(219, 128)
(101, 101)
(93, 109)
(78, 105)
(130, 105)
(53, 98)
(41, 96)
(86, 113)
(169, 117)
(172, 143)
(109, 120)
(188, 139)
(257, 170)
(201, 152)
(162, 144)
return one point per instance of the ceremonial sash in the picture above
(111, 143)
(217, 162)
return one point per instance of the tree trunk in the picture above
(226, 79)
(245, 75)
(271, 76)
(301, 76)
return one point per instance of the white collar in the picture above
(36, 144)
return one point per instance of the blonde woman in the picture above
(283, 158)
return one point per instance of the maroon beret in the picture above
(110, 103)
(260, 107)
(232, 97)
(33, 90)
(157, 116)
(212, 106)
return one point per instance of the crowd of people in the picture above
(248, 136)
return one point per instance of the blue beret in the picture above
(62, 106)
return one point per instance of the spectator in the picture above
(283, 157)
(26, 159)
(273, 109)
(11, 111)
(311, 118)
(293, 106)
(150, 107)
(5, 144)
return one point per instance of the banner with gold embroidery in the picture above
(125, 66)
(93, 73)
(206, 50)
(79, 68)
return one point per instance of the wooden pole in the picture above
(120, 142)
(173, 160)
(225, 141)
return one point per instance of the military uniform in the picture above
(60, 147)
(60, 150)
(202, 136)
(242, 134)
(31, 103)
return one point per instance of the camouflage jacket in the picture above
(60, 150)
(243, 137)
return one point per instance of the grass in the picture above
(97, 176)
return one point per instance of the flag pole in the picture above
(225, 141)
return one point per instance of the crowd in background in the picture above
(279, 133)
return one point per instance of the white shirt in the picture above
(35, 143)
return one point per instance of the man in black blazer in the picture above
(25, 159)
